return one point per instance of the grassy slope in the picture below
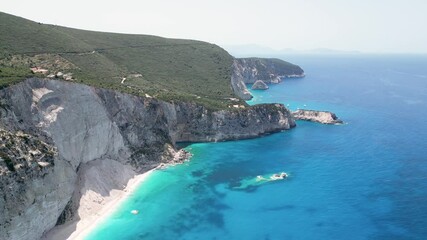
(171, 68)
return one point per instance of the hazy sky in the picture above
(363, 25)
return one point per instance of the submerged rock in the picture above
(324, 117)
(259, 85)
(249, 183)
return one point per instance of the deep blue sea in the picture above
(366, 179)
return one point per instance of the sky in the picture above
(377, 26)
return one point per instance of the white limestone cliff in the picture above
(103, 138)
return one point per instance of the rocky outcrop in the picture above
(192, 123)
(324, 117)
(268, 70)
(97, 131)
(33, 181)
(237, 82)
(259, 85)
(20, 152)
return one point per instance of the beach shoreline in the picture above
(81, 228)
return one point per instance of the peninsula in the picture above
(82, 113)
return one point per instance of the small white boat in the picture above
(280, 176)
(283, 175)
(134, 212)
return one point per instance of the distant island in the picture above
(246, 50)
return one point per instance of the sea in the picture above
(365, 179)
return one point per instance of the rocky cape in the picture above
(259, 85)
(268, 70)
(87, 141)
(324, 117)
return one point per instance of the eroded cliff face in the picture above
(238, 82)
(96, 131)
(33, 181)
(196, 124)
(259, 85)
(269, 71)
(266, 69)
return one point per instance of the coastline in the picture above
(81, 228)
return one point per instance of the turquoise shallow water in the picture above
(363, 180)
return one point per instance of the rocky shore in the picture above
(102, 139)
(267, 70)
(259, 85)
(324, 117)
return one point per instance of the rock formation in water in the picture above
(259, 85)
(88, 141)
(324, 117)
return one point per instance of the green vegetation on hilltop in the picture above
(266, 66)
(11, 75)
(169, 69)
